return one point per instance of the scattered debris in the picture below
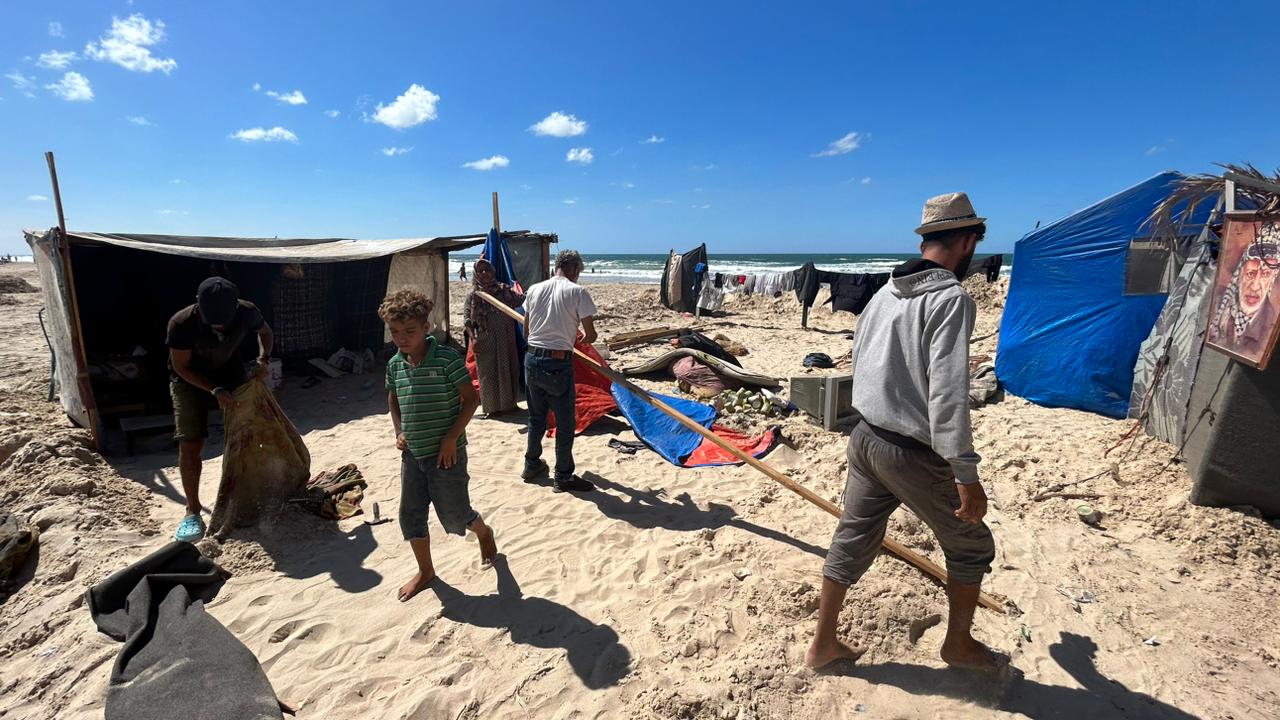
(742, 573)
(1152, 641)
(1088, 514)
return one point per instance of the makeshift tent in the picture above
(317, 295)
(1070, 333)
(681, 279)
(1169, 357)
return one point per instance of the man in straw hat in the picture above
(914, 446)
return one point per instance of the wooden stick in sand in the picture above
(896, 548)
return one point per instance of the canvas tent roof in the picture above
(277, 250)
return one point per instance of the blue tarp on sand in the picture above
(679, 445)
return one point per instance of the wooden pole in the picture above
(77, 333)
(497, 224)
(893, 546)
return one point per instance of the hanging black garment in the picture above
(697, 341)
(851, 292)
(987, 266)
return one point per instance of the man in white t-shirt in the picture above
(553, 309)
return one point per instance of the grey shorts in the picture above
(191, 408)
(423, 483)
(883, 476)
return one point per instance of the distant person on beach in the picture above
(462, 272)
(553, 310)
(204, 342)
(914, 445)
(431, 400)
(493, 339)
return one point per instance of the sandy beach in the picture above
(669, 593)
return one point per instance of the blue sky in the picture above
(775, 128)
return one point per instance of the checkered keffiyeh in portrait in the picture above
(1265, 247)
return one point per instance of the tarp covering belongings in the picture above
(681, 279)
(1070, 334)
(678, 444)
(177, 660)
(265, 463)
(664, 362)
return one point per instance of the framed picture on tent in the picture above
(1244, 313)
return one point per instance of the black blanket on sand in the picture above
(178, 661)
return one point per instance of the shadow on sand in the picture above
(595, 653)
(1098, 696)
(651, 509)
(304, 546)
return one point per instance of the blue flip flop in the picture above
(190, 529)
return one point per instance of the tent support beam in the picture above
(891, 545)
(77, 333)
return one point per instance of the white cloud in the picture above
(138, 120)
(582, 156)
(332, 113)
(653, 140)
(55, 29)
(257, 87)
(275, 134)
(73, 87)
(176, 181)
(37, 198)
(294, 98)
(526, 186)
(706, 168)
(844, 145)
(570, 201)
(416, 106)
(1157, 149)
(704, 206)
(662, 201)
(22, 83)
(166, 212)
(558, 124)
(394, 151)
(128, 44)
(489, 163)
(866, 181)
(56, 60)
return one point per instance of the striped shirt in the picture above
(428, 396)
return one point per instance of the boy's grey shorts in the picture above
(423, 483)
(882, 476)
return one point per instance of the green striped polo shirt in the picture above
(428, 395)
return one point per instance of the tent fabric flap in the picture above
(58, 322)
(1070, 336)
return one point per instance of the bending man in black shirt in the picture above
(204, 343)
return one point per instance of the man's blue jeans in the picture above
(550, 389)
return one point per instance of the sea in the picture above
(647, 268)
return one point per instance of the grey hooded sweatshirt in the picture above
(911, 363)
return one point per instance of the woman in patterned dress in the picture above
(493, 335)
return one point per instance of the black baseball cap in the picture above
(217, 300)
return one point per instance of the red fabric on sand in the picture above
(593, 399)
(708, 453)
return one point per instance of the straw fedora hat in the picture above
(948, 212)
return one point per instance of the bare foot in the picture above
(969, 654)
(488, 546)
(820, 656)
(416, 585)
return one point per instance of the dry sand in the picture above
(670, 593)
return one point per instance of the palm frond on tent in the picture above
(1169, 216)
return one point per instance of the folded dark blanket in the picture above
(177, 660)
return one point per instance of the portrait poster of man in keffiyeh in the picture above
(1246, 304)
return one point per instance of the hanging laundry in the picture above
(852, 292)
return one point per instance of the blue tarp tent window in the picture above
(1152, 264)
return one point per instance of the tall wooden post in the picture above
(497, 224)
(77, 333)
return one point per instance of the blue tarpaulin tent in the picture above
(1070, 335)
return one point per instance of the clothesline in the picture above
(850, 292)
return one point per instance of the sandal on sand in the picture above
(190, 529)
